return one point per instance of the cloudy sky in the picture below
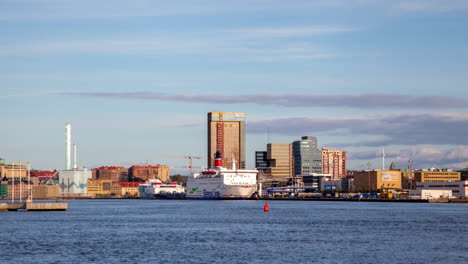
(136, 78)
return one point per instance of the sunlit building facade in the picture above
(436, 175)
(334, 163)
(226, 134)
(280, 158)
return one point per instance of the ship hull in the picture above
(217, 189)
(149, 191)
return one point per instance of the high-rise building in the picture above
(261, 161)
(281, 161)
(226, 134)
(307, 157)
(334, 163)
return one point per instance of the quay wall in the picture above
(31, 206)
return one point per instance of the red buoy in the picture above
(266, 208)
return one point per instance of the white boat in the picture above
(155, 189)
(222, 183)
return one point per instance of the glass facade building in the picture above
(307, 157)
(261, 161)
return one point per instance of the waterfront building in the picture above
(386, 180)
(315, 179)
(74, 182)
(41, 177)
(428, 194)
(18, 189)
(261, 164)
(307, 157)
(458, 189)
(261, 161)
(407, 179)
(226, 134)
(281, 161)
(436, 175)
(334, 163)
(13, 170)
(464, 174)
(146, 172)
(98, 187)
(345, 184)
(111, 173)
(123, 189)
(45, 191)
(3, 187)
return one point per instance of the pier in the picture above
(34, 206)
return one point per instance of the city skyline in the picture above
(134, 79)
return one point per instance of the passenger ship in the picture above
(154, 189)
(222, 183)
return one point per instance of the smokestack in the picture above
(383, 159)
(218, 161)
(74, 156)
(68, 146)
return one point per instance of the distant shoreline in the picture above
(281, 199)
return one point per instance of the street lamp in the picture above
(12, 182)
(368, 176)
(410, 168)
(20, 183)
(29, 183)
(333, 178)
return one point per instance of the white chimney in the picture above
(383, 159)
(67, 146)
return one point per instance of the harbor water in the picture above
(185, 231)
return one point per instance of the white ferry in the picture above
(155, 189)
(222, 183)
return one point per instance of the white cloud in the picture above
(286, 32)
(360, 101)
(430, 6)
(258, 44)
(422, 156)
(118, 9)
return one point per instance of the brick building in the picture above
(112, 173)
(143, 173)
(45, 191)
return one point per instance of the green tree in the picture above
(178, 178)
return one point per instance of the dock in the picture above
(34, 206)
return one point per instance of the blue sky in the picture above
(136, 78)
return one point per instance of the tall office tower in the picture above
(334, 163)
(307, 157)
(281, 161)
(226, 134)
(261, 161)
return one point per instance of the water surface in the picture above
(187, 231)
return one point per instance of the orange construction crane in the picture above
(190, 158)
